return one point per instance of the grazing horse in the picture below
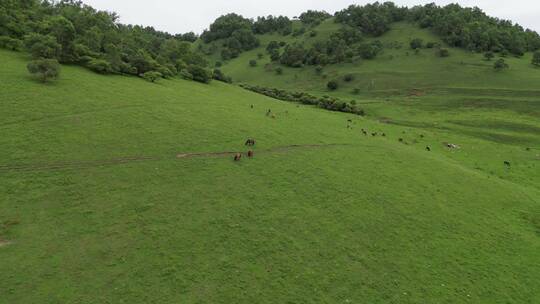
(250, 154)
(250, 142)
(237, 157)
(507, 163)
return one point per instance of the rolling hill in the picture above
(119, 190)
(114, 189)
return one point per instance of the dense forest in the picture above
(71, 32)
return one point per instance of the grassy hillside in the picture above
(102, 200)
(396, 70)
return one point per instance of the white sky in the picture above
(180, 16)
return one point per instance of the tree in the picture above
(416, 43)
(500, 65)
(489, 55)
(199, 74)
(253, 63)
(64, 32)
(42, 46)
(152, 76)
(332, 85)
(536, 58)
(44, 69)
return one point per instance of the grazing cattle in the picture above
(269, 112)
(428, 148)
(528, 149)
(365, 133)
(273, 116)
(374, 134)
(349, 120)
(421, 135)
(401, 140)
(237, 157)
(250, 154)
(250, 142)
(384, 134)
(507, 163)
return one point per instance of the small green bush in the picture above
(44, 69)
(332, 85)
(152, 76)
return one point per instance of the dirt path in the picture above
(135, 159)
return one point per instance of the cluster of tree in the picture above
(71, 32)
(326, 102)
(235, 31)
(468, 28)
(313, 18)
(472, 29)
(372, 19)
(334, 50)
(271, 24)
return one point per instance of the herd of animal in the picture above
(251, 142)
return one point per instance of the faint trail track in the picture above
(135, 159)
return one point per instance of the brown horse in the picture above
(237, 157)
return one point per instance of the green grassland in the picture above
(102, 202)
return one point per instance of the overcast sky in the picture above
(180, 16)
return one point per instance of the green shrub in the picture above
(44, 69)
(500, 65)
(99, 66)
(332, 85)
(152, 76)
(536, 58)
(10, 43)
(199, 73)
(442, 52)
(416, 43)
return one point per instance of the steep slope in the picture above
(101, 200)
